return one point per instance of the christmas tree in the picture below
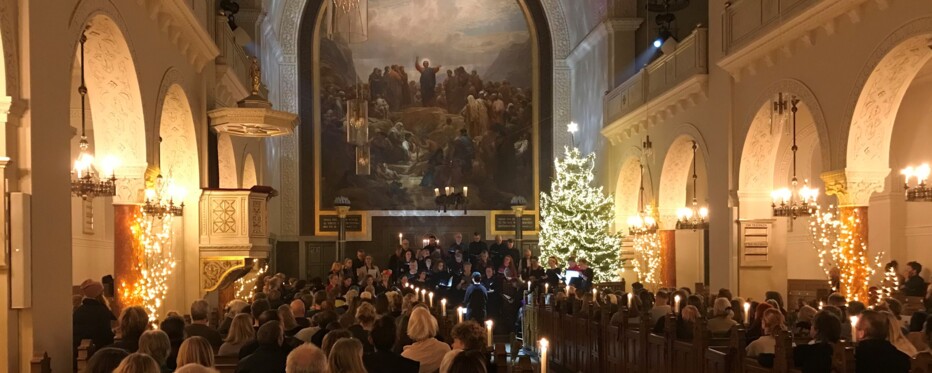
(575, 218)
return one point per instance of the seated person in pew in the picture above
(756, 330)
(817, 356)
(804, 320)
(660, 308)
(874, 352)
(722, 318)
(897, 338)
(771, 323)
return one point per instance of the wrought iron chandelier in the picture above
(160, 200)
(921, 191)
(644, 222)
(85, 181)
(450, 199)
(794, 201)
(693, 217)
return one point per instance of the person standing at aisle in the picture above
(477, 297)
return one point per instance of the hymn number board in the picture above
(755, 242)
(331, 223)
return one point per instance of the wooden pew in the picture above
(226, 364)
(41, 363)
(85, 350)
(658, 345)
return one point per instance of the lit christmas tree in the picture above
(575, 218)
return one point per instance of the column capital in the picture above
(130, 184)
(854, 187)
(668, 218)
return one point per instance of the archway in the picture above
(116, 129)
(626, 193)
(178, 160)
(226, 161)
(766, 164)
(249, 172)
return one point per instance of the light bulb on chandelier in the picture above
(693, 217)
(921, 191)
(794, 201)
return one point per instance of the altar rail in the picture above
(585, 342)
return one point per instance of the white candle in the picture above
(629, 300)
(459, 314)
(488, 327)
(528, 286)
(747, 311)
(544, 344)
(443, 307)
(595, 294)
(399, 238)
(436, 192)
(431, 295)
(676, 304)
(546, 288)
(423, 295)
(465, 191)
(820, 305)
(854, 328)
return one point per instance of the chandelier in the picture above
(85, 181)
(920, 192)
(644, 222)
(693, 217)
(160, 200)
(794, 201)
(451, 199)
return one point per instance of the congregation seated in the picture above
(426, 349)
(874, 352)
(197, 350)
(241, 333)
(467, 336)
(173, 326)
(307, 358)
(155, 343)
(346, 356)
(771, 323)
(137, 363)
(268, 356)
(722, 318)
(383, 359)
(198, 327)
(105, 360)
(817, 355)
(133, 322)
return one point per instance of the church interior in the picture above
(466, 186)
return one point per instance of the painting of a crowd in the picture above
(431, 125)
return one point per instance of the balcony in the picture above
(757, 32)
(233, 67)
(667, 86)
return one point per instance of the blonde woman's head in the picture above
(138, 363)
(421, 325)
(773, 321)
(155, 343)
(241, 329)
(346, 357)
(133, 321)
(195, 350)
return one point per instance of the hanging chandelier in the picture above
(794, 201)
(160, 200)
(921, 191)
(693, 217)
(451, 199)
(644, 222)
(85, 181)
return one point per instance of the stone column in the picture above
(130, 185)
(667, 257)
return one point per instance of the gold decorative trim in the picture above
(215, 269)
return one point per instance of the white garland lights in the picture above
(575, 218)
(647, 258)
(835, 238)
(154, 262)
(246, 286)
(891, 283)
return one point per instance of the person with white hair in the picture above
(307, 358)
(427, 350)
(721, 321)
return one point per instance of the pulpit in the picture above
(234, 234)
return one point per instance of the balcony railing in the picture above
(689, 59)
(233, 65)
(746, 20)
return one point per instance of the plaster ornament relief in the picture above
(178, 151)
(674, 180)
(223, 215)
(626, 192)
(113, 94)
(213, 271)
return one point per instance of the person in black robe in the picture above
(476, 246)
(476, 299)
(915, 286)
(554, 273)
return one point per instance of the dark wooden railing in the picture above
(586, 342)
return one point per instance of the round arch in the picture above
(178, 152)
(675, 175)
(626, 192)
(877, 97)
(250, 178)
(113, 94)
(762, 142)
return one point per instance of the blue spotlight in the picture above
(658, 43)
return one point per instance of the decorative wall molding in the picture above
(666, 105)
(804, 19)
(600, 32)
(854, 187)
(234, 222)
(177, 20)
(213, 270)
